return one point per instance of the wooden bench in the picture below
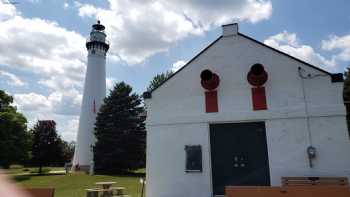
(92, 192)
(41, 192)
(290, 191)
(316, 181)
(118, 191)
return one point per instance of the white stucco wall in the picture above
(176, 117)
(287, 142)
(166, 146)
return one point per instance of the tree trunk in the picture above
(40, 169)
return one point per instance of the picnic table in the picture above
(107, 190)
(106, 184)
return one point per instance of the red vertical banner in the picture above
(259, 98)
(211, 101)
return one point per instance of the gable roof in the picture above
(335, 77)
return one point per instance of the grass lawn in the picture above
(74, 185)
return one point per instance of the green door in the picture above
(239, 155)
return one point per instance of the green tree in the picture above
(346, 96)
(47, 146)
(120, 132)
(14, 138)
(68, 150)
(159, 79)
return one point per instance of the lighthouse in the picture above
(94, 93)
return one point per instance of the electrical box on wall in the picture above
(193, 158)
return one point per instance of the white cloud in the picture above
(110, 82)
(69, 130)
(51, 53)
(342, 44)
(208, 12)
(33, 1)
(65, 5)
(289, 43)
(88, 10)
(77, 4)
(41, 46)
(65, 103)
(12, 79)
(152, 26)
(61, 107)
(177, 65)
(60, 83)
(32, 102)
(6, 11)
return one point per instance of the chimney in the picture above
(230, 29)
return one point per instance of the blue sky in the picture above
(43, 56)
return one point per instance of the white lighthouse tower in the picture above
(94, 93)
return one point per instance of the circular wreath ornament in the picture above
(257, 76)
(209, 80)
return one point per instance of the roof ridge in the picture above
(148, 94)
(195, 57)
(286, 54)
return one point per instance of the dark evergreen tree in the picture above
(158, 80)
(346, 96)
(120, 132)
(47, 146)
(14, 138)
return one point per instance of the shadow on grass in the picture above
(124, 174)
(20, 178)
(132, 174)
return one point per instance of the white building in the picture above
(200, 140)
(94, 93)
